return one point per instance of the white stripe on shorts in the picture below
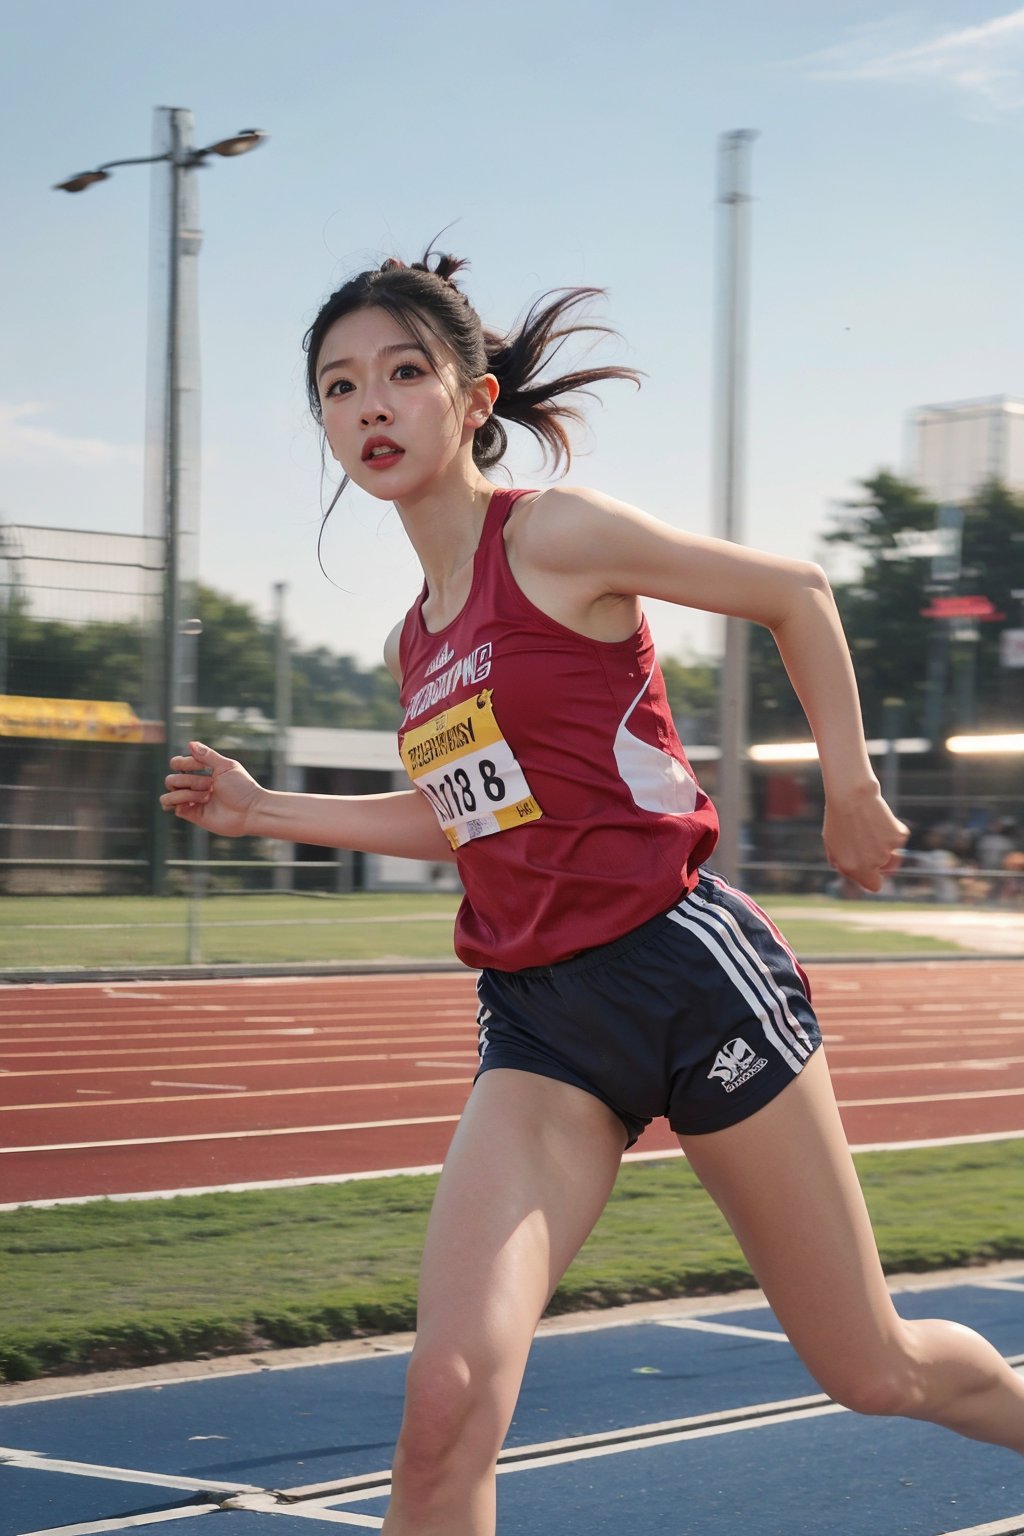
(763, 1002)
(791, 1028)
(752, 907)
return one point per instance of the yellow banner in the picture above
(69, 719)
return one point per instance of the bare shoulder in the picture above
(565, 528)
(391, 657)
(604, 549)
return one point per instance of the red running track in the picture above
(158, 1086)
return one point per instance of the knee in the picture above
(883, 1379)
(883, 1391)
(449, 1411)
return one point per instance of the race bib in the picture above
(468, 772)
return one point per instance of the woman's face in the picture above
(394, 421)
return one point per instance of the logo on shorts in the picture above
(482, 1041)
(736, 1063)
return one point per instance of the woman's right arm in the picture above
(217, 793)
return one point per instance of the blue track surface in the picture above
(160, 1458)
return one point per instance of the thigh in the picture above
(785, 1181)
(529, 1171)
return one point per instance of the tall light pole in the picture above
(172, 458)
(283, 873)
(733, 197)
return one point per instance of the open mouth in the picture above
(380, 452)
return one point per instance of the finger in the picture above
(206, 757)
(201, 781)
(176, 797)
(185, 764)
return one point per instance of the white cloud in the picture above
(20, 440)
(984, 62)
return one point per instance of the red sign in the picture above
(962, 608)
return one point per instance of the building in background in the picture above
(958, 447)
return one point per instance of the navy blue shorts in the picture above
(701, 1015)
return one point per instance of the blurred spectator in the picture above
(939, 861)
(995, 844)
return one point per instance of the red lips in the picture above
(377, 443)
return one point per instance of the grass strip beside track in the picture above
(109, 1284)
(61, 933)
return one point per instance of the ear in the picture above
(482, 395)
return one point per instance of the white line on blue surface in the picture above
(127, 1522)
(35, 1461)
(700, 1326)
(1012, 1527)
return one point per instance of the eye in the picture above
(339, 387)
(408, 371)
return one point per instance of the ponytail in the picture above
(425, 299)
(518, 359)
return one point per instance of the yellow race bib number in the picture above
(468, 772)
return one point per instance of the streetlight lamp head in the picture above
(80, 182)
(244, 140)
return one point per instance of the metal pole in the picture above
(283, 852)
(892, 716)
(733, 166)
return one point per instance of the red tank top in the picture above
(553, 766)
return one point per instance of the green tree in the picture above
(50, 659)
(236, 655)
(893, 645)
(889, 638)
(692, 688)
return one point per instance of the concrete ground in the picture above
(986, 930)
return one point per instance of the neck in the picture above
(445, 521)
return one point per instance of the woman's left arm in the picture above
(616, 551)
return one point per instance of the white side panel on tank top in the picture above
(656, 780)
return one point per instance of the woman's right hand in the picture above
(223, 799)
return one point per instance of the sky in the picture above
(564, 142)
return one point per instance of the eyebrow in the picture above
(398, 346)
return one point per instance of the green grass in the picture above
(63, 931)
(53, 933)
(107, 1284)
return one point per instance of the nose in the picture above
(376, 415)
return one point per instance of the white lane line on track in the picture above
(614, 1442)
(933, 1098)
(269, 1504)
(320, 1090)
(37, 1461)
(699, 1326)
(430, 1168)
(129, 1522)
(350, 1010)
(233, 1189)
(284, 1130)
(327, 1033)
(1012, 1527)
(555, 1453)
(193, 1050)
(966, 1064)
(131, 997)
(214, 1087)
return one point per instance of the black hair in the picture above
(427, 303)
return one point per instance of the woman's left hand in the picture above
(863, 839)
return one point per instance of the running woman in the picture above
(620, 978)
